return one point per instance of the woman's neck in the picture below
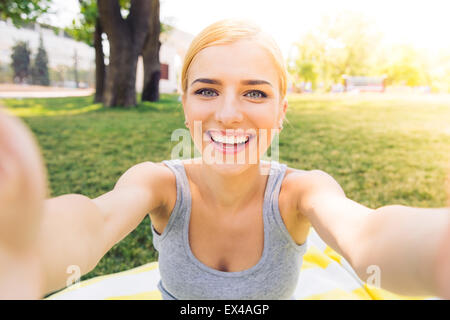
(227, 190)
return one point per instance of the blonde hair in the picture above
(229, 31)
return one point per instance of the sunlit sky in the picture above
(422, 23)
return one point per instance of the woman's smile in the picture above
(229, 141)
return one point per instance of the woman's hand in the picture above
(443, 265)
(22, 194)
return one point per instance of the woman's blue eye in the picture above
(255, 94)
(206, 92)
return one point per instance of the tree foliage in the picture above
(341, 44)
(83, 29)
(404, 66)
(23, 11)
(348, 44)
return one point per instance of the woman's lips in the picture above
(228, 148)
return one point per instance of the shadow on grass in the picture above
(47, 107)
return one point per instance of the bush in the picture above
(39, 70)
(21, 61)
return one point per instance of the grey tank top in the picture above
(184, 277)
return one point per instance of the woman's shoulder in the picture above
(300, 182)
(158, 178)
(294, 175)
(155, 172)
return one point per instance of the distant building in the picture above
(61, 50)
(364, 84)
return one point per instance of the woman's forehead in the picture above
(243, 59)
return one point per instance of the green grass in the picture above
(381, 149)
(87, 148)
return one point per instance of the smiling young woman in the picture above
(224, 230)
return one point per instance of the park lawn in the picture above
(382, 149)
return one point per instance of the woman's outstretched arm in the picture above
(408, 247)
(411, 249)
(76, 231)
(41, 238)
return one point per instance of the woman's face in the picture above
(233, 92)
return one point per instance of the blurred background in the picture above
(97, 81)
(329, 46)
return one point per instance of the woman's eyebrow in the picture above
(255, 82)
(244, 82)
(208, 81)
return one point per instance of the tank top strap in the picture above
(277, 174)
(182, 203)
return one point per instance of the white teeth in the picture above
(228, 139)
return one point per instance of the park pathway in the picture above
(21, 91)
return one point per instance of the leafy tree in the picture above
(39, 70)
(20, 58)
(406, 66)
(90, 30)
(23, 11)
(439, 69)
(83, 29)
(341, 44)
(306, 66)
(127, 38)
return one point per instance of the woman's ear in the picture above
(282, 115)
(283, 109)
(285, 105)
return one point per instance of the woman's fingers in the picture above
(22, 183)
(22, 194)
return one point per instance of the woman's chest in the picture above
(234, 241)
(224, 241)
(224, 258)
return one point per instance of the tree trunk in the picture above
(126, 40)
(100, 71)
(150, 55)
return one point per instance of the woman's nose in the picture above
(228, 112)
